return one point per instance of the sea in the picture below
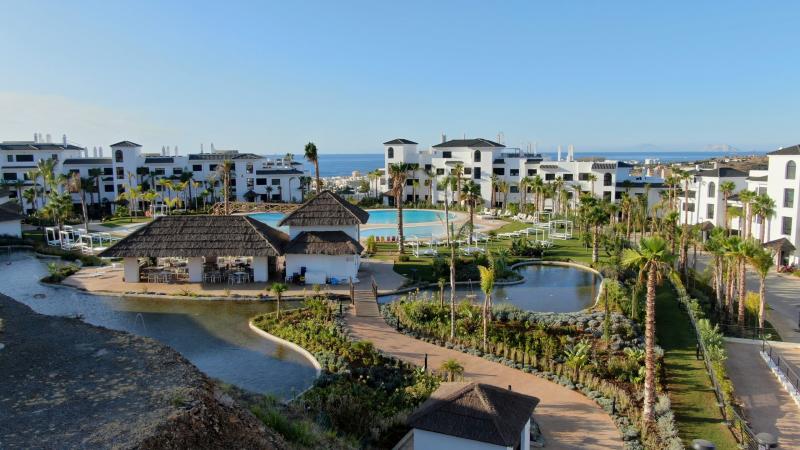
(335, 165)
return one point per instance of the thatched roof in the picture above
(478, 412)
(326, 208)
(707, 226)
(10, 211)
(186, 236)
(780, 244)
(323, 243)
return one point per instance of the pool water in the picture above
(213, 335)
(546, 288)
(387, 217)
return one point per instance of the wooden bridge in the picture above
(365, 302)
(252, 207)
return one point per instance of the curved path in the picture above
(568, 419)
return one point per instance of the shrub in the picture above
(372, 246)
(58, 272)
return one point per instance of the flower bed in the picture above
(361, 393)
(602, 359)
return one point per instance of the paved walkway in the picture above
(782, 299)
(768, 407)
(567, 418)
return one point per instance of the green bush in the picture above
(58, 272)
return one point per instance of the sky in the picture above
(267, 77)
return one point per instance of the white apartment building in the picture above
(253, 178)
(483, 158)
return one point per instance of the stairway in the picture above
(366, 305)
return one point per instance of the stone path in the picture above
(568, 419)
(769, 408)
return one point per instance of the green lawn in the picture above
(115, 222)
(690, 389)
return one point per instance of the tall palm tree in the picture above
(457, 172)
(487, 286)
(745, 251)
(30, 196)
(715, 246)
(494, 180)
(18, 186)
(33, 175)
(685, 177)
(448, 182)
(746, 197)
(399, 174)
(312, 157)
(46, 168)
(77, 186)
(504, 187)
(762, 261)
(471, 193)
(224, 171)
(595, 216)
(591, 178)
(763, 208)
(726, 188)
(653, 259)
(524, 182)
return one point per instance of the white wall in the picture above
(11, 228)
(777, 183)
(427, 440)
(338, 266)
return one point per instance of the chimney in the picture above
(94, 152)
(35, 136)
(559, 153)
(48, 138)
(444, 138)
(571, 153)
(201, 149)
(64, 139)
(212, 147)
(176, 150)
(100, 151)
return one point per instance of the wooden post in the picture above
(352, 292)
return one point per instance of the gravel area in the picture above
(68, 384)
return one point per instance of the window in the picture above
(108, 171)
(276, 181)
(476, 157)
(177, 171)
(712, 190)
(710, 211)
(499, 171)
(24, 158)
(514, 189)
(118, 156)
(762, 190)
(159, 171)
(788, 198)
(248, 168)
(108, 188)
(568, 177)
(447, 154)
(689, 207)
(120, 173)
(549, 176)
(514, 172)
(791, 168)
(467, 170)
(74, 171)
(477, 173)
(607, 196)
(54, 157)
(583, 176)
(531, 172)
(197, 167)
(617, 195)
(10, 158)
(120, 188)
(10, 176)
(607, 179)
(439, 171)
(409, 182)
(261, 181)
(212, 167)
(390, 152)
(786, 225)
(428, 167)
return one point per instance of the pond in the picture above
(546, 288)
(213, 335)
(385, 222)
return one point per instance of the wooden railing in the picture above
(251, 207)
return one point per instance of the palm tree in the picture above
(46, 169)
(592, 178)
(18, 185)
(278, 289)
(487, 285)
(312, 157)
(448, 183)
(471, 192)
(763, 208)
(399, 174)
(494, 180)
(33, 175)
(746, 197)
(762, 261)
(30, 195)
(149, 197)
(652, 259)
(714, 245)
(595, 216)
(76, 186)
(453, 369)
(224, 170)
(457, 172)
(504, 187)
(441, 282)
(745, 251)
(524, 182)
(414, 188)
(726, 188)
(685, 177)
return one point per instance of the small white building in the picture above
(471, 416)
(324, 235)
(10, 220)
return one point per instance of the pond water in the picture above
(546, 288)
(386, 219)
(213, 335)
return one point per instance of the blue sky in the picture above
(268, 77)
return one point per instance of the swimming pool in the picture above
(386, 221)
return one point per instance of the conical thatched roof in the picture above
(326, 208)
(323, 243)
(780, 244)
(477, 412)
(186, 236)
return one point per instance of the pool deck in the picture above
(108, 281)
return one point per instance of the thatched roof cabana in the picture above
(477, 412)
(326, 208)
(324, 243)
(194, 236)
(781, 244)
(707, 226)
